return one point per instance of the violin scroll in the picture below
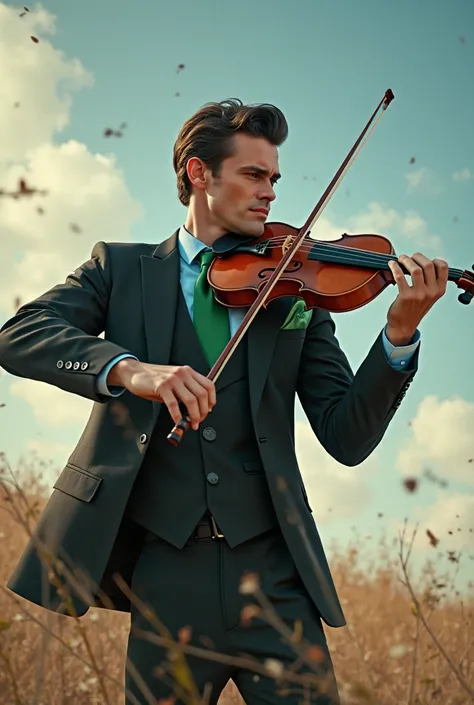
(466, 282)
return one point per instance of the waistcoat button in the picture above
(143, 438)
(212, 478)
(209, 433)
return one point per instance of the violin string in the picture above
(348, 254)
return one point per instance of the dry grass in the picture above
(402, 645)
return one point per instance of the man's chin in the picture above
(254, 229)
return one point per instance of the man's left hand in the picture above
(429, 279)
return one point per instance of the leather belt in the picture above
(206, 529)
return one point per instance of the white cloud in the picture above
(51, 404)
(463, 175)
(441, 440)
(334, 490)
(450, 519)
(38, 77)
(380, 219)
(87, 190)
(84, 189)
(423, 180)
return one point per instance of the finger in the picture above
(190, 401)
(172, 404)
(398, 275)
(201, 395)
(442, 273)
(429, 270)
(209, 385)
(414, 270)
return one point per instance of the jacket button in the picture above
(143, 438)
(60, 364)
(68, 365)
(262, 439)
(76, 365)
(209, 433)
(212, 478)
(84, 366)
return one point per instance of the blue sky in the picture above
(326, 65)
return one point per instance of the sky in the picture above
(97, 66)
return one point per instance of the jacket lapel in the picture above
(262, 337)
(160, 290)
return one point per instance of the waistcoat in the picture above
(216, 468)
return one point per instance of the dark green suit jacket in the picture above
(125, 291)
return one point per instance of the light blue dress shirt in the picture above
(189, 247)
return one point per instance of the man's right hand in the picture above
(168, 384)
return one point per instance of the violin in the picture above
(337, 275)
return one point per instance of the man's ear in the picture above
(198, 173)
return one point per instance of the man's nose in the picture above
(267, 195)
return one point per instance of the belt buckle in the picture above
(217, 534)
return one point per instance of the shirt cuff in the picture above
(102, 386)
(399, 356)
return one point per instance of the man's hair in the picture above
(208, 135)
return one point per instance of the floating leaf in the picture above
(411, 484)
(433, 540)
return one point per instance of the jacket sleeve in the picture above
(54, 338)
(349, 413)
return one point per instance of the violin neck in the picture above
(337, 254)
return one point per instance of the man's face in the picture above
(245, 185)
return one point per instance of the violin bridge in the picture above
(287, 244)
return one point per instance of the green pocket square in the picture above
(298, 317)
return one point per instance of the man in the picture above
(181, 525)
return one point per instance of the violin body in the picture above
(238, 277)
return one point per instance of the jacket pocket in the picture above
(77, 483)
(254, 467)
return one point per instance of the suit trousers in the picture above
(195, 594)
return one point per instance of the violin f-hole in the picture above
(294, 266)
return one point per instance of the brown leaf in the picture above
(248, 612)
(433, 540)
(184, 635)
(35, 40)
(411, 484)
(315, 653)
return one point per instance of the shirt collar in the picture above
(189, 246)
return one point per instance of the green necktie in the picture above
(210, 318)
